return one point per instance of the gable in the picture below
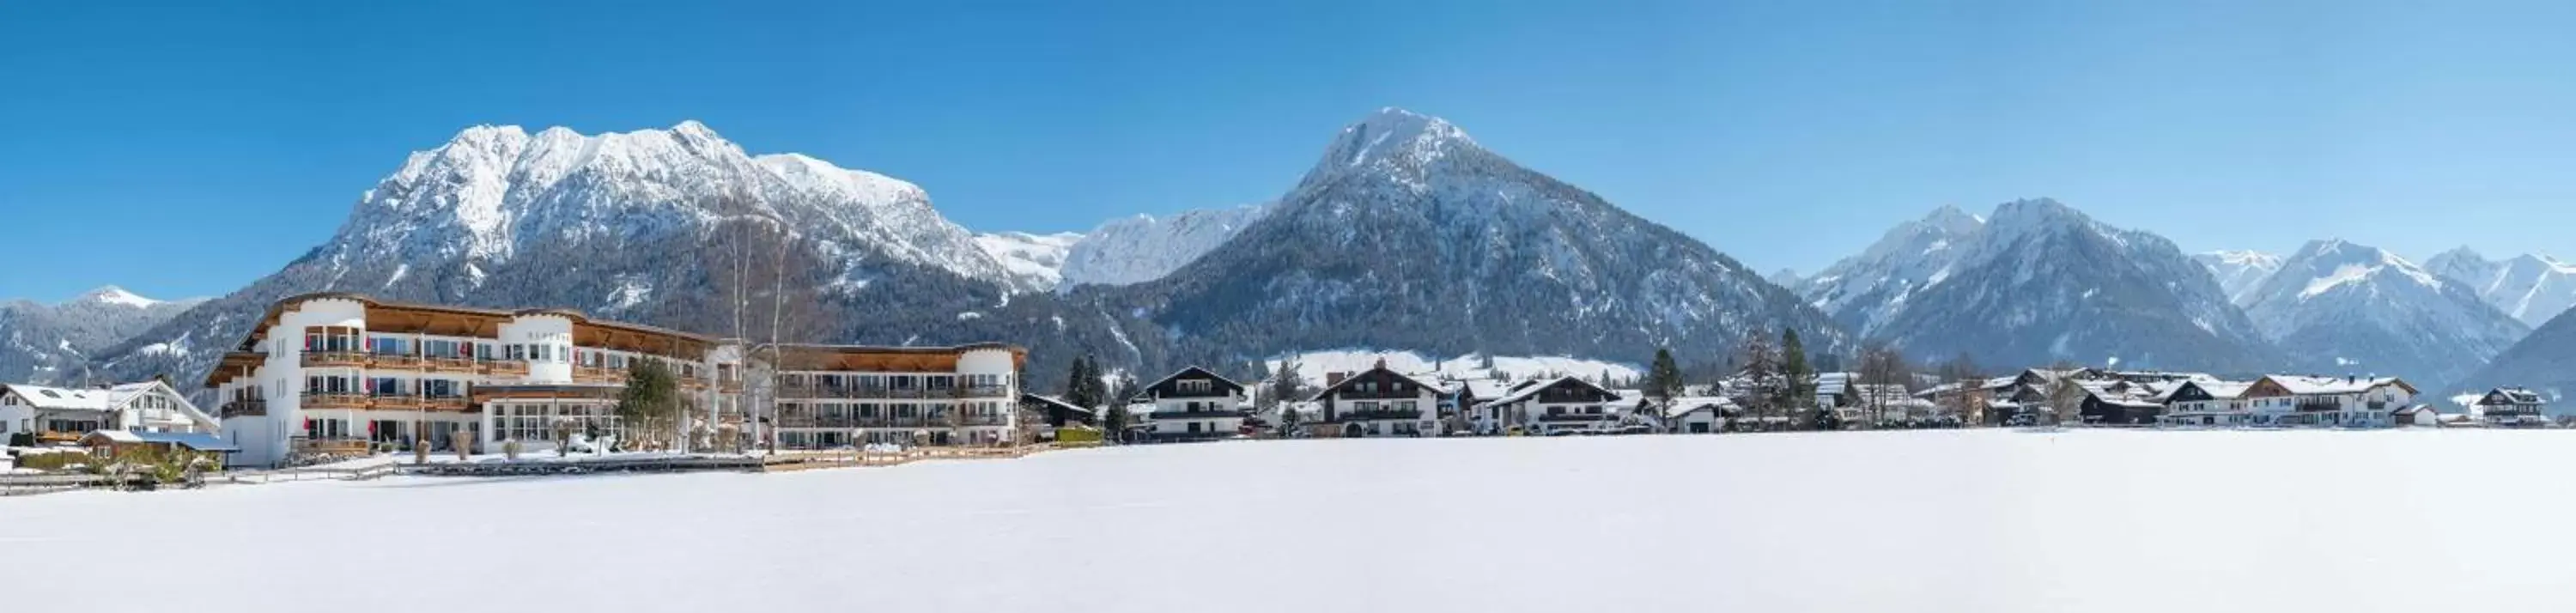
(1173, 386)
(1377, 383)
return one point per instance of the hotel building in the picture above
(337, 372)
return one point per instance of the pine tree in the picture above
(1663, 377)
(1113, 423)
(1084, 387)
(1799, 379)
(1286, 385)
(1760, 394)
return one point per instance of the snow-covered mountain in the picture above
(1035, 259)
(2343, 308)
(1865, 291)
(1409, 234)
(624, 225)
(1144, 248)
(2239, 273)
(52, 343)
(2533, 288)
(2036, 282)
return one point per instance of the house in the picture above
(2349, 402)
(1565, 404)
(111, 442)
(1052, 412)
(2512, 407)
(2211, 402)
(1470, 393)
(1698, 414)
(1193, 404)
(56, 415)
(1834, 389)
(2419, 415)
(2115, 402)
(1374, 403)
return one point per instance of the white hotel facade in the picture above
(338, 372)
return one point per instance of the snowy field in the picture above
(1992, 520)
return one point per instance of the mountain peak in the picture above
(116, 295)
(1392, 136)
(1952, 219)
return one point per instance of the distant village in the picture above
(1198, 404)
(334, 377)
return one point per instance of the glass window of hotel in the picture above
(868, 410)
(902, 382)
(941, 382)
(904, 410)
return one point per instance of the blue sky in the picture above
(186, 150)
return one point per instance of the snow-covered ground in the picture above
(1989, 520)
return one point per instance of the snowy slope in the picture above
(1990, 521)
(1036, 259)
(51, 343)
(1407, 234)
(2036, 282)
(2344, 308)
(1865, 291)
(2533, 288)
(2239, 273)
(1144, 248)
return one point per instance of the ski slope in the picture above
(1989, 520)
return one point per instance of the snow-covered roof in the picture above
(2217, 390)
(61, 398)
(2510, 395)
(1526, 391)
(2305, 385)
(1487, 388)
(1685, 405)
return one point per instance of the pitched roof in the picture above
(1190, 369)
(1355, 377)
(1684, 406)
(2306, 385)
(61, 398)
(1486, 389)
(1057, 402)
(1525, 392)
(2510, 395)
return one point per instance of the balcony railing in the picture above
(395, 402)
(1379, 414)
(893, 393)
(1575, 417)
(597, 374)
(503, 367)
(320, 359)
(454, 365)
(326, 400)
(245, 408)
(397, 361)
(984, 391)
(444, 403)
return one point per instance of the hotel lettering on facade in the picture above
(336, 370)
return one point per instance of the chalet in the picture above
(1470, 393)
(55, 415)
(1056, 412)
(109, 442)
(2350, 402)
(1194, 404)
(2115, 403)
(2206, 403)
(1698, 414)
(2418, 415)
(1376, 402)
(1566, 404)
(2512, 407)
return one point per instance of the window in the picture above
(1196, 386)
(1194, 427)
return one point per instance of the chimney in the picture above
(1334, 378)
(1381, 361)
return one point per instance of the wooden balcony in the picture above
(329, 359)
(597, 374)
(393, 361)
(244, 408)
(450, 403)
(984, 391)
(448, 365)
(395, 402)
(317, 400)
(503, 367)
(57, 438)
(332, 447)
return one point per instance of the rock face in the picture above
(2532, 288)
(1144, 248)
(2036, 282)
(1035, 260)
(1408, 234)
(54, 343)
(2342, 308)
(2239, 273)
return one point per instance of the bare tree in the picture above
(1882, 369)
(2065, 394)
(1965, 397)
(1762, 376)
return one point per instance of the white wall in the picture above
(551, 330)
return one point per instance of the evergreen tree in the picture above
(1760, 393)
(1799, 379)
(1286, 385)
(651, 398)
(1113, 423)
(1663, 376)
